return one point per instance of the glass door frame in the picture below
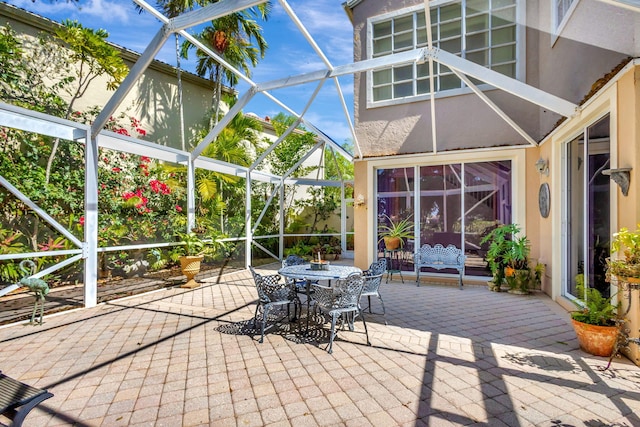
(566, 211)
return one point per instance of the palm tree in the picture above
(230, 146)
(238, 38)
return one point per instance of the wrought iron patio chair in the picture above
(342, 300)
(272, 294)
(301, 284)
(373, 280)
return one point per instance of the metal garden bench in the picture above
(17, 399)
(439, 257)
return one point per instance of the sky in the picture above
(288, 54)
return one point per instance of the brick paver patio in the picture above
(446, 357)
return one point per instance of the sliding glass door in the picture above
(588, 208)
(457, 204)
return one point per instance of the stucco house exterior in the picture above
(154, 101)
(489, 150)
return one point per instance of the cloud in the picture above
(101, 10)
(328, 24)
(107, 11)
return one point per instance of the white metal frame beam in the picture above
(494, 107)
(507, 84)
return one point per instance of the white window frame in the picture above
(557, 26)
(520, 64)
(517, 157)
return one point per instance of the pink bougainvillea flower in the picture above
(81, 220)
(178, 208)
(116, 170)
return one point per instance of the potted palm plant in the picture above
(595, 320)
(394, 233)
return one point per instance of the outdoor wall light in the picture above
(359, 201)
(543, 166)
(621, 176)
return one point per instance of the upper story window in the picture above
(561, 10)
(482, 31)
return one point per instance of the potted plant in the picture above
(394, 233)
(626, 269)
(193, 252)
(595, 320)
(508, 258)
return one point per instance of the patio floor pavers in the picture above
(445, 357)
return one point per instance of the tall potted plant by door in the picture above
(500, 241)
(394, 233)
(508, 258)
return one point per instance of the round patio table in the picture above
(304, 272)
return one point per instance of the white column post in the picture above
(90, 244)
(191, 194)
(247, 227)
(281, 243)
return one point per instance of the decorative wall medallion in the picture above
(544, 200)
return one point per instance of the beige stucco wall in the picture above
(628, 212)
(153, 99)
(621, 99)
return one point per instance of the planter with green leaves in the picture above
(627, 267)
(508, 258)
(595, 320)
(395, 233)
(193, 252)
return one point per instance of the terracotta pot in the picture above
(190, 267)
(596, 340)
(392, 243)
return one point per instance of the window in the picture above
(456, 204)
(482, 31)
(562, 10)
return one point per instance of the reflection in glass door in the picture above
(588, 211)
